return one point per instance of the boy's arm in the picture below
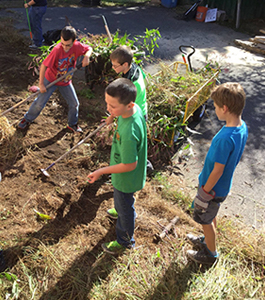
(30, 3)
(41, 78)
(86, 58)
(119, 168)
(214, 177)
(110, 119)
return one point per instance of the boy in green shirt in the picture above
(122, 62)
(127, 160)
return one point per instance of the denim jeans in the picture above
(124, 205)
(69, 94)
(35, 15)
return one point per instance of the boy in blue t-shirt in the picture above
(215, 180)
(127, 160)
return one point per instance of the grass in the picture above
(152, 271)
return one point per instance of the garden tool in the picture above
(30, 32)
(44, 171)
(37, 93)
(188, 54)
(107, 28)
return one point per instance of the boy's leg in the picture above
(207, 255)
(39, 12)
(39, 103)
(69, 94)
(210, 236)
(124, 205)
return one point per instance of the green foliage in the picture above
(9, 281)
(37, 59)
(87, 93)
(169, 95)
(102, 48)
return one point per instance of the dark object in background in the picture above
(52, 36)
(98, 70)
(2, 262)
(90, 2)
(191, 12)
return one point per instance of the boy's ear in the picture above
(126, 65)
(130, 105)
(225, 108)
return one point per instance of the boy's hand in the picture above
(201, 201)
(109, 119)
(42, 88)
(92, 177)
(86, 61)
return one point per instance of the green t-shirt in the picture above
(137, 76)
(130, 145)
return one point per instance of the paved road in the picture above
(247, 198)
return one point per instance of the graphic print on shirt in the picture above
(65, 65)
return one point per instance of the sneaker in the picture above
(196, 241)
(34, 47)
(149, 168)
(23, 124)
(112, 247)
(202, 257)
(112, 213)
(2, 262)
(75, 128)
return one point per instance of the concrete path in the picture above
(247, 200)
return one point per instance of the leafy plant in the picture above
(38, 59)
(7, 278)
(170, 97)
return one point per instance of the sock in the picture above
(214, 253)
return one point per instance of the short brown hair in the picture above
(68, 32)
(230, 94)
(122, 55)
(122, 89)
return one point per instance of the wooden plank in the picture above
(262, 31)
(249, 46)
(258, 43)
(260, 37)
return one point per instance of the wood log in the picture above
(262, 31)
(250, 46)
(262, 37)
(166, 230)
(258, 40)
(257, 43)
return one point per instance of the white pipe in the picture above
(238, 13)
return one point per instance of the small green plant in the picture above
(37, 59)
(7, 279)
(87, 93)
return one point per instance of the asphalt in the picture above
(246, 201)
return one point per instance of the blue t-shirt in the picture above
(226, 148)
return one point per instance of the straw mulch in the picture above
(11, 145)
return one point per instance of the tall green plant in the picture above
(142, 45)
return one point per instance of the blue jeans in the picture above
(69, 94)
(35, 16)
(124, 205)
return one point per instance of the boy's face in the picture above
(115, 108)
(67, 45)
(119, 68)
(220, 112)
